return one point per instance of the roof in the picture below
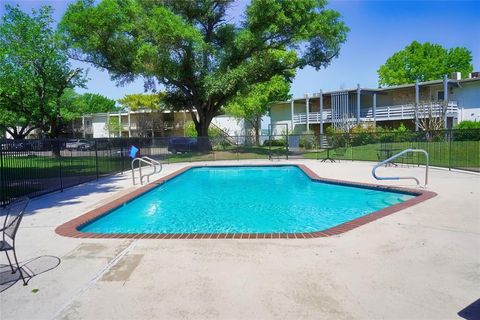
(430, 83)
(126, 112)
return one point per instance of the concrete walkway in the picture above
(420, 263)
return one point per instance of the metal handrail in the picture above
(399, 155)
(140, 160)
(155, 162)
(149, 161)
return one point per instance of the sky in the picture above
(377, 30)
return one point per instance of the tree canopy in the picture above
(424, 62)
(139, 101)
(253, 103)
(196, 50)
(74, 105)
(34, 73)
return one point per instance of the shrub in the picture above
(467, 124)
(336, 137)
(362, 135)
(467, 131)
(220, 144)
(385, 136)
(213, 132)
(307, 140)
(274, 143)
(368, 134)
(400, 134)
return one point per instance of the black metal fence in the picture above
(35, 167)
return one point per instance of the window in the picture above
(440, 95)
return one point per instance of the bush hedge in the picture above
(274, 143)
(467, 131)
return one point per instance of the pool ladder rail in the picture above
(401, 153)
(156, 165)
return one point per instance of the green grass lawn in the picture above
(47, 167)
(458, 154)
(227, 153)
(463, 154)
(36, 174)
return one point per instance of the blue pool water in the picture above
(243, 200)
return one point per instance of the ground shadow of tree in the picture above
(72, 195)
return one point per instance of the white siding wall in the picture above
(282, 114)
(99, 126)
(230, 125)
(468, 99)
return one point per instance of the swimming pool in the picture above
(242, 200)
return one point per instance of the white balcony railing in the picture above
(383, 113)
(313, 117)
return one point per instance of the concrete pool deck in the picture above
(422, 262)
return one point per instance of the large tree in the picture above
(424, 62)
(34, 73)
(74, 105)
(138, 101)
(251, 104)
(16, 124)
(197, 51)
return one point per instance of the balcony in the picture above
(383, 113)
(313, 117)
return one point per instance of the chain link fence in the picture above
(36, 167)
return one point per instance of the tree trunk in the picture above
(56, 147)
(202, 123)
(202, 128)
(53, 134)
(257, 130)
(17, 135)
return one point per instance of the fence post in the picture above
(121, 155)
(56, 144)
(270, 147)
(450, 150)
(3, 196)
(96, 158)
(199, 139)
(238, 154)
(286, 142)
(213, 149)
(349, 141)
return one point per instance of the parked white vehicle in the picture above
(79, 144)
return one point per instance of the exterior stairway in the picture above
(224, 134)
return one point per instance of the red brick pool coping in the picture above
(70, 228)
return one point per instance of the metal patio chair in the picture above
(14, 214)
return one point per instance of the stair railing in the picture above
(224, 134)
(149, 161)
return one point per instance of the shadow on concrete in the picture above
(30, 268)
(471, 312)
(71, 195)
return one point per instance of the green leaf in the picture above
(194, 51)
(424, 62)
(34, 72)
